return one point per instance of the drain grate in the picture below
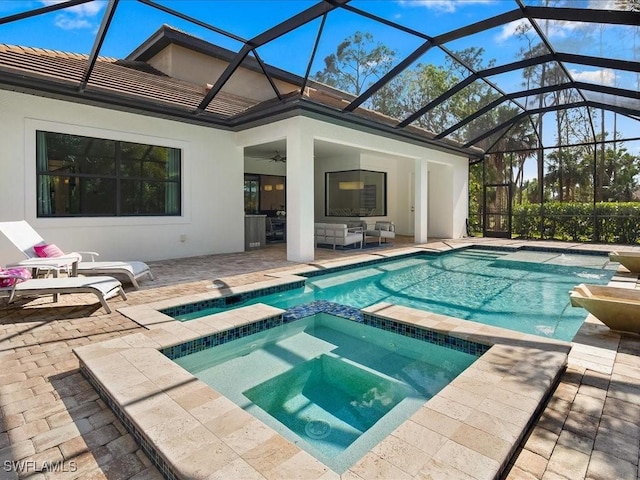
(317, 429)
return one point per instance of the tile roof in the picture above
(121, 77)
(142, 87)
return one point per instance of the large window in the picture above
(84, 176)
(356, 193)
(264, 194)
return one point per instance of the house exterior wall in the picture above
(212, 219)
(321, 167)
(448, 199)
(396, 193)
(449, 171)
(200, 69)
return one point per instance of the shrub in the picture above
(609, 222)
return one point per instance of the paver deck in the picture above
(54, 425)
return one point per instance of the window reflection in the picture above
(356, 193)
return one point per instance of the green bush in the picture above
(615, 222)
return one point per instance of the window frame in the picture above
(119, 176)
(360, 214)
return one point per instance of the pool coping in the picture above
(151, 314)
(470, 429)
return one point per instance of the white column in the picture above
(421, 200)
(300, 196)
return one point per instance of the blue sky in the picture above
(74, 30)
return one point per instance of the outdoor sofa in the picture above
(337, 234)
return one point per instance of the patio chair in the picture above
(103, 287)
(383, 231)
(275, 230)
(27, 240)
(618, 308)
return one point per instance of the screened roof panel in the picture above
(495, 140)
(264, 15)
(29, 32)
(566, 96)
(450, 67)
(304, 38)
(362, 49)
(501, 45)
(452, 110)
(127, 14)
(534, 76)
(433, 17)
(614, 100)
(610, 41)
(578, 128)
(609, 77)
(581, 4)
(485, 122)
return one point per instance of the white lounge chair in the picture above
(103, 287)
(630, 260)
(25, 238)
(618, 308)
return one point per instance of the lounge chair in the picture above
(618, 308)
(383, 231)
(630, 260)
(26, 239)
(102, 287)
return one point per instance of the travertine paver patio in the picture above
(50, 413)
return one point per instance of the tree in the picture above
(357, 63)
(621, 171)
(631, 5)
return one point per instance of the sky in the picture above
(74, 29)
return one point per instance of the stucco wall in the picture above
(450, 172)
(212, 218)
(448, 199)
(321, 167)
(200, 69)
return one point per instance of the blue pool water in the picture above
(524, 291)
(332, 386)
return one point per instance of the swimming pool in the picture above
(333, 387)
(523, 290)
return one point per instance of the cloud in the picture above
(605, 76)
(610, 5)
(65, 22)
(77, 17)
(511, 29)
(553, 29)
(446, 6)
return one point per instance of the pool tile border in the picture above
(297, 279)
(144, 387)
(348, 313)
(220, 338)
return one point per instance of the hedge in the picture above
(611, 222)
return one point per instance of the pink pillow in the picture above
(48, 250)
(9, 282)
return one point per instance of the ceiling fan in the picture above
(277, 157)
